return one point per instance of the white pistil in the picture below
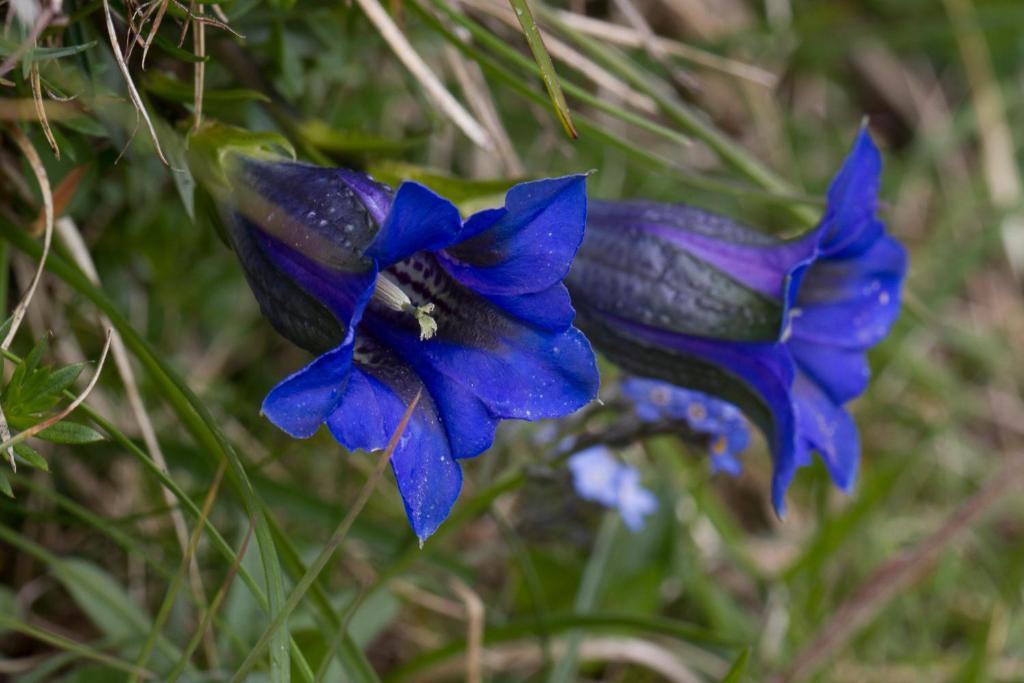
(389, 293)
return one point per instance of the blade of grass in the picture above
(405, 52)
(125, 541)
(731, 153)
(636, 154)
(172, 590)
(210, 614)
(560, 623)
(900, 572)
(300, 590)
(491, 41)
(196, 419)
(736, 671)
(72, 240)
(547, 70)
(586, 597)
(83, 584)
(60, 642)
(161, 476)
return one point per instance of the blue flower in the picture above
(598, 477)
(400, 297)
(778, 328)
(654, 400)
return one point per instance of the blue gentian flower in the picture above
(778, 328)
(598, 477)
(400, 297)
(723, 423)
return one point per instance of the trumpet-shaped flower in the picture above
(778, 328)
(400, 297)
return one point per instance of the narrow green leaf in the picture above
(36, 354)
(42, 390)
(31, 456)
(458, 190)
(547, 70)
(169, 88)
(586, 596)
(8, 603)
(70, 433)
(102, 599)
(735, 672)
(332, 139)
(62, 378)
(86, 125)
(178, 53)
(5, 485)
(72, 647)
(254, 586)
(39, 54)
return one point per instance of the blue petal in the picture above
(419, 220)
(852, 198)
(829, 429)
(768, 370)
(370, 411)
(301, 403)
(515, 369)
(853, 302)
(526, 247)
(468, 422)
(843, 374)
(550, 309)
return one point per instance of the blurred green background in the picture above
(741, 106)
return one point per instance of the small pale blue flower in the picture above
(727, 430)
(635, 502)
(598, 477)
(595, 475)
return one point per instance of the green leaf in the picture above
(62, 378)
(735, 673)
(5, 484)
(543, 59)
(31, 456)
(178, 53)
(67, 432)
(8, 603)
(458, 190)
(170, 88)
(36, 354)
(86, 125)
(331, 139)
(39, 54)
(102, 599)
(42, 389)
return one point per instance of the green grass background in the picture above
(916, 576)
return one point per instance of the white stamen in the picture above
(389, 293)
